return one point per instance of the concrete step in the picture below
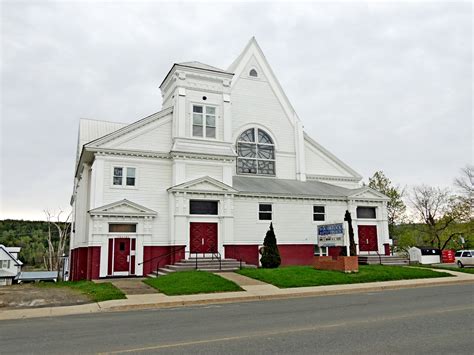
(383, 259)
(204, 264)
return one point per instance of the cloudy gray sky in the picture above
(382, 85)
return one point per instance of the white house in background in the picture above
(10, 265)
(225, 156)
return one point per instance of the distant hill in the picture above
(31, 236)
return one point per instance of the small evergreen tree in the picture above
(352, 246)
(270, 256)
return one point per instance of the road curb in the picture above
(280, 294)
(302, 294)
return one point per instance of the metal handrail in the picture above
(162, 256)
(215, 254)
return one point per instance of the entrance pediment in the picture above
(123, 208)
(203, 184)
(368, 193)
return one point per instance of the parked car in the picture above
(464, 258)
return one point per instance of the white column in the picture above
(227, 117)
(300, 155)
(97, 183)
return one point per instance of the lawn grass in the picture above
(300, 276)
(191, 282)
(97, 292)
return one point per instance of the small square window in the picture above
(265, 212)
(319, 213)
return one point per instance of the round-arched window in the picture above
(256, 153)
(253, 73)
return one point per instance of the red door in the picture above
(122, 254)
(203, 237)
(368, 238)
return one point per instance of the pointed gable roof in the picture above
(129, 128)
(123, 208)
(252, 49)
(332, 157)
(15, 260)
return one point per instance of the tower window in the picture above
(204, 121)
(253, 73)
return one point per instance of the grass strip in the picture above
(97, 292)
(467, 270)
(191, 282)
(301, 276)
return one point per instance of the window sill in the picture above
(121, 187)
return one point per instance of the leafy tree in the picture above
(270, 255)
(396, 208)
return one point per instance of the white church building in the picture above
(225, 156)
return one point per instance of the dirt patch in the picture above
(33, 296)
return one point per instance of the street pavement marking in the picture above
(286, 331)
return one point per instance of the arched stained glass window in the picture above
(256, 153)
(253, 73)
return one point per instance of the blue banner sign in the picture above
(337, 228)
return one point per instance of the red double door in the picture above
(368, 238)
(203, 237)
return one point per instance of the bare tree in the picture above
(56, 245)
(441, 213)
(465, 186)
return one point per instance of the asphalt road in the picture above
(426, 320)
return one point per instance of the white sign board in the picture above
(331, 235)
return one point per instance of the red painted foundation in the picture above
(151, 252)
(247, 253)
(84, 263)
(301, 254)
(294, 254)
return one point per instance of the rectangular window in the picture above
(122, 228)
(318, 213)
(130, 176)
(203, 207)
(121, 179)
(366, 212)
(118, 176)
(320, 251)
(264, 212)
(4, 264)
(204, 121)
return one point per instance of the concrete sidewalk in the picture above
(254, 291)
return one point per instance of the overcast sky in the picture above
(384, 86)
